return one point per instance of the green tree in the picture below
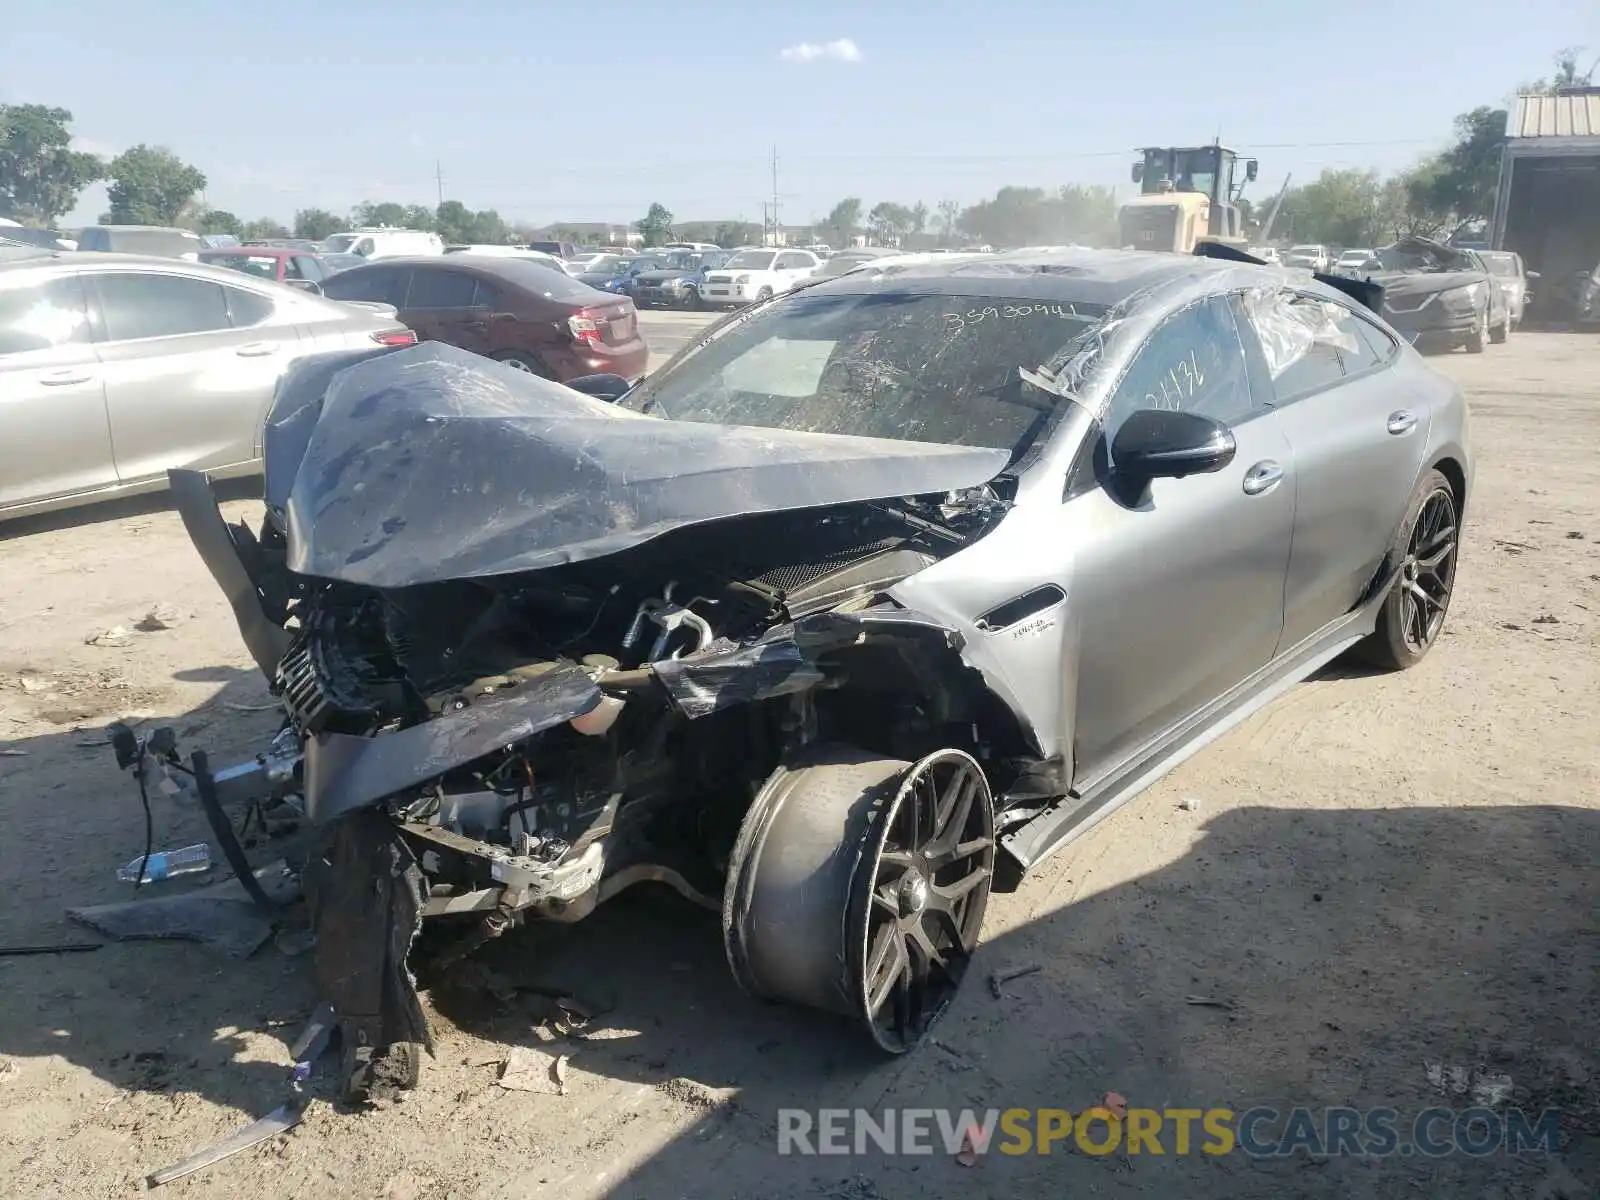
(219, 220)
(1463, 180)
(316, 224)
(1338, 208)
(656, 225)
(842, 222)
(888, 222)
(919, 218)
(263, 227)
(1086, 214)
(1567, 74)
(41, 175)
(151, 186)
(370, 212)
(949, 212)
(1017, 216)
(456, 223)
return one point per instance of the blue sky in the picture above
(557, 113)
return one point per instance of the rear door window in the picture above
(434, 288)
(138, 305)
(1301, 339)
(246, 308)
(42, 316)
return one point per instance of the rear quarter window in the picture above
(549, 282)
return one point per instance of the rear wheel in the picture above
(858, 887)
(1425, 547)
(521, 360)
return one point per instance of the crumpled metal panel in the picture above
(432, 463)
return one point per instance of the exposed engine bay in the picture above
(655, 776)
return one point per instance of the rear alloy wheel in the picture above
(858, 886)
(519, 360)
(1425, 547)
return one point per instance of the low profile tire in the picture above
(1425, 546)
(858, 887)
(1479, 339)
(520, 360)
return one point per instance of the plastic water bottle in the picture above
(166, 864)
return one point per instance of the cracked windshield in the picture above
(763, 602)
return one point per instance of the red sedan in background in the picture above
(527, 315)
(297, 268)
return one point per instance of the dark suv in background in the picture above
(529, 316)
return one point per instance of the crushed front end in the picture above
(517, 683)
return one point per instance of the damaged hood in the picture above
(431, 463)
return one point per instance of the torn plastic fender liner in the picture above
(197, 505)
(344, 772)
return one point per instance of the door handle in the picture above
(1262, 477)
(257, 350)
(1401, 420)
(62, 378)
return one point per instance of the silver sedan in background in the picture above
(115, 368)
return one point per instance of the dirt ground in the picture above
(1376, 875)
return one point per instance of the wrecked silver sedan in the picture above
(871, 598)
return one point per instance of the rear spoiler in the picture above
(1363, 291)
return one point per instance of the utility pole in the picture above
(438, 176)
(776, 228)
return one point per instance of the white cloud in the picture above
(843, 50)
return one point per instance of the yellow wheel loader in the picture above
(1186, 196)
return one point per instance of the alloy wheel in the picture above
(1428, 572)
(927, 889)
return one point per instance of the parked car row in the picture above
(116, 367)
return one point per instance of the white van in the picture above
(384, 243)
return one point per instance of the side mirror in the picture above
(1532, 275)
(306, 285)
(1155, 443)
(1250, 169)
(1138, 172)
(609, 388)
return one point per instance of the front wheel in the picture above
(1501, 332)
(1479, 339)
(764, 294)
(1425, 547)
(691, 299)
(858, 886)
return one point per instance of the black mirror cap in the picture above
(1157, 443)
(610, 388)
